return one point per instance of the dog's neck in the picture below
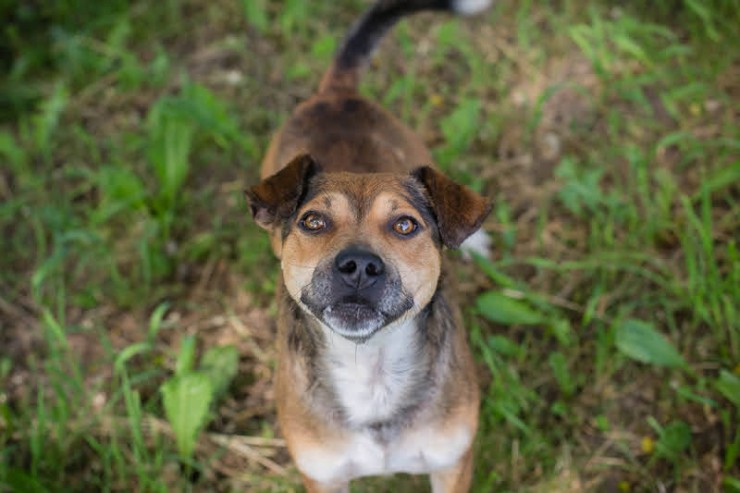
(374, 381)
(379, 384)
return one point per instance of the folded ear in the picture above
(459, 210)
(276, 198)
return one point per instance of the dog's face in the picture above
(361, 251)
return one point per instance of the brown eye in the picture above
(312, 222)
(405, 226)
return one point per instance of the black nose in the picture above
(359, 268)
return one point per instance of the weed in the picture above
(187, 396)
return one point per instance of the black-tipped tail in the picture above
(363, 38)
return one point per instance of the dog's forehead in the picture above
(361, 192)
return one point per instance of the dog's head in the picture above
(361, 251)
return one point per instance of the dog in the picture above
(374, 373)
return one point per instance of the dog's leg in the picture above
(316, 487)
(457, 478)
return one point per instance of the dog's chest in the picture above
(421, 451)
(373, 381)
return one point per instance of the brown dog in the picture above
(374, 371)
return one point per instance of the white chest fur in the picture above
(373, 380)
(419, 452)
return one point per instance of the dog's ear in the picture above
(459, 210)
(276, 198)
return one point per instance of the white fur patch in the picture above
(469, 7)
(479, 242)
(420, 452)
(371, 379)
(429, 450)
(361, 456)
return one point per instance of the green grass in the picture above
(606, 324)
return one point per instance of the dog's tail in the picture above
(344, 73)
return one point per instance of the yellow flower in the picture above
(624, 486)
(647, 445)
(436, 100)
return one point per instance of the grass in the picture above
(605, 324)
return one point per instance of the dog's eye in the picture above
(312, 222)
(405, 226)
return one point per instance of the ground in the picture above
(136, 293)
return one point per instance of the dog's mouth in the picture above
(358, 320)
(355, 313)
(354, 319)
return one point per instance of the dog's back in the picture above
(337, 126)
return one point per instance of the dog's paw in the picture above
(479, 242)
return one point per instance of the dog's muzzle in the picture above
(356, 294)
